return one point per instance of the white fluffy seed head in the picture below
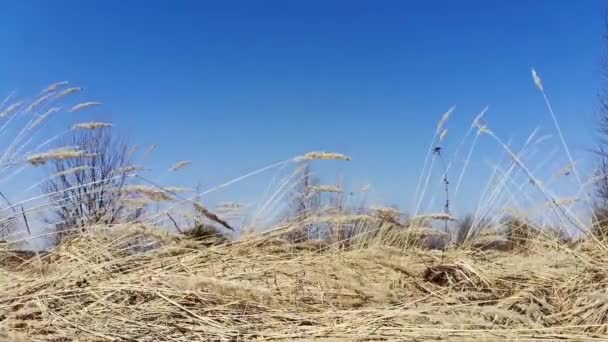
(318, 155)
(11, 109)
(151, 193)
(69, 91)
(54, 86)
(84, 105)
(91, 125)
(323, 188)
(180, 165)
(63, 153)
(537, 81)
(444, 119)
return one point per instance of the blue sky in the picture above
(237, 85)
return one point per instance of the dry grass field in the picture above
(131, 283)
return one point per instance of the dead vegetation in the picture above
(135, 283)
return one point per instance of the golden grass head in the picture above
(69, 91)
(91, 125)
(435, 217)
(323, 188)
(177, 190)
(152, 193)
(128, 169)
(136, 203)
(72, 171)
(319, 155)
(63, 153)
(53, 87)
(84, 105)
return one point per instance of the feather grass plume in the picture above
(152, 193)
(537, 81)
(323, 188)
(444, 119)
(11, 109)
(318, 155)
(72, 171)
(63, 153)
(68, 91)
(180, 165)
(128, 169)
(91, 125)
(53, 87)
(84, 105)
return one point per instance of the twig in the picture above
(175, 224)
(27, 226)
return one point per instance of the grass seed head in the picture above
(318, 155)
(537, 81)
(180, 165)
(91, 125)
(84, 105)
(69, 91)
(63, 153)
(53, 87)
(323, 188)
(152, 193)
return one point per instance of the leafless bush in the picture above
(86, 190)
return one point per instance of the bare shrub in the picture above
(86, 190)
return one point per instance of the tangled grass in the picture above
(133, 283)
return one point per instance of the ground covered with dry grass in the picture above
(138, 284)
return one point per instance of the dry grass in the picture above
(134, 283)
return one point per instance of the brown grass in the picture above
(132, 283)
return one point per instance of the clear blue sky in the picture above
(236, 85)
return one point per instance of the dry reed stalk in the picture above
(43, 117)
(38, 102)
